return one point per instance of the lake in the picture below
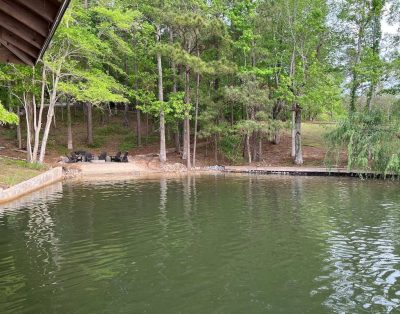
(204, 244)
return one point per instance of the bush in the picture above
(231, 147)
(128, 142)
(371, 140)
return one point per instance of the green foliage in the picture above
(22, 164)
(250, 93)
(372, 141)
(322, 93)
(9, 134)
(128, 142)
(255, 60)
(231, 147)
(174, 109)
(15, 171)
(98, 142)
(7, 117)
(111, 129)
(95, 87)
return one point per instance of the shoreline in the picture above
(139, 170)
(29, 186)
(309, 171)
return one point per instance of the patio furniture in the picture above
(117, 157)
(125, 157)
(103, 156)
(88, 157)
(73, 158)
(81, 152)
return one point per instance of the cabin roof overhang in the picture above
(27, 27)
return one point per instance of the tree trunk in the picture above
(196, 118)
(19, 135)
(293, 131)
(355, 84)
(216, 148)
(254, 145)
(69, 126)
(50, 114)
(184, 153)
(37, 126)
(138, 115)
(275, 114)
(277, 138)
(28, 120)
(163, 152)
(37, 120)
(298, 159)
(54, 117)
(138, 128)
(173, 66)
(376, 40)
(126, 116)
(177, 139)
(127, 123)
(248, 148)
(147, 128)
(89, 123)
(186, 139)
(103, 118)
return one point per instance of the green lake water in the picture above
(209, 244)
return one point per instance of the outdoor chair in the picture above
(80, 152)
(125, 157)
(88, 157)
(103, 156)
(117, 157)
(73, 158)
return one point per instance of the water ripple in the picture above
(204, 244)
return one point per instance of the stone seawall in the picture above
(23, 188)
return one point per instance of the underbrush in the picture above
(128, 142)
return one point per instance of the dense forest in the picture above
(233, 72)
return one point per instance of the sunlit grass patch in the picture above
(313, 134)
(16, 171)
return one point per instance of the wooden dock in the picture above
(306, 171)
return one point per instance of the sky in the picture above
(389, 29)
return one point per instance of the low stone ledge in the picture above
(36, 183)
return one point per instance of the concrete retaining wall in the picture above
(40, 181)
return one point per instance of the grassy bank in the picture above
(16, 171)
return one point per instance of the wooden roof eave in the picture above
(27, 27)
(56, 23)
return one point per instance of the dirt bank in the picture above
(138, 166)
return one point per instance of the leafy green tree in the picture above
(7, 117)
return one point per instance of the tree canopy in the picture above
(233, 71)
